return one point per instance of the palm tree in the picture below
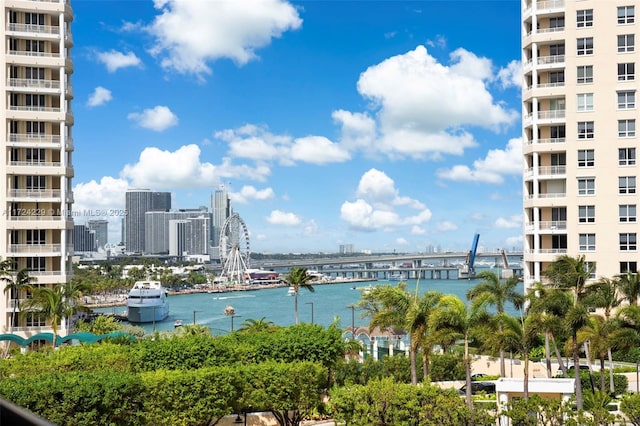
(598, 335)
(604, 294)
(257, 326)
(519, 335)
(571, 274)
(49, 303)
(418, 323)
(298, 278)
(546, 309)
(15, 286)
(454, 317)
(629, 286)
(73, 292)
(497, 292)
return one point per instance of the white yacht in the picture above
(147, 302)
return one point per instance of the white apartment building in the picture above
(36, 222)
(579, 134)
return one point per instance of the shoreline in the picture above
(98, 302)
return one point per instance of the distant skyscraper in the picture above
(101, 227)
(346, 248)
(157, 230)
(221, 210)
(84, 239)
(137, 203)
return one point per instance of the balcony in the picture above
(34, 29)
(553, 251)
(35, 248)
(554, 171)
(34, 84)
(552, 61)
(548, 195)
(551, 115)
(34, 108)
(34, 54)
(549, 6)
(547, 225)
(53, 194)
(34, 140)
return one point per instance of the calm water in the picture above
(328, 302)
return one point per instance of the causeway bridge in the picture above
(396, 266)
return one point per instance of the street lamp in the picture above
(232, 317)
(353, 320)
(310, 303)
(194, 317)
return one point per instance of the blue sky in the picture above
(388, 125)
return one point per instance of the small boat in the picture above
(147, 302)
(177, 323)
(229, 310)
(291, 291)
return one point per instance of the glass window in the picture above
(585, 74)
(586, 186)
(627, 71)
(586, 158)
(626, 99)
(586, 214)
(585, 102)
(585, 130)
(626, 43)
(628, 241)
(627, 185)
(587, 242)
(626, 14)
(585, 46)
(628, 267)
(626, 156)
(585, 18)
(557, 132)
(627, 213)
(626, 128)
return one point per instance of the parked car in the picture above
(477, 376)
(476, 387)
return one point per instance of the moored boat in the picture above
(291, 291)
(147, 301)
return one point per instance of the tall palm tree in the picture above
(455, 317)
(546, 309)
(497, 293)
(418, 323)
(520, 336)
(50, 303)
(571, 274)
(73, 292)
(298, 278)
(629, 286)
(256, 325)
(15, 285)
(598, 334)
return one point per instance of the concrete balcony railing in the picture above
(29, 138)
(34, 193)
(29, 217)
(31, 83)
(552, 170)
(546, 251)
(542, 6)
(37, 164)
(33, 29)
(545, 141)
(34, 108)
(547, 225)
(545, 85)
(551, 115)
(549, 60)
(35, 248)
(37, 54)
(546, 196)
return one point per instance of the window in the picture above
(627, 213)
(556, 49)
(34, 18)
(626, 72)
(626, 156)
(626, 43)
(626, 99)
(585, 74)
(628, 267)
(628, 241)
(33, 73)
(557, 78)
(35, 100)
(586, 158)
(557, 132)
(585, 102)
(34, 46)
(590, 267)
(585, 18)
(627, 185)
(626, 128)
(557, 22)
(626, 14)
(586, 186)
(586, 214)
(35, 319)
(36, 264)
(587, 242)
(585, 130)
(35, 155)
(36, 236)
(585, 46)
(36, 182)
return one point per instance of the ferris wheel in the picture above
(234, 250)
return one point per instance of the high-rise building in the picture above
(84, 239)
(101, 227)
(157, 230)
(137, 203)
(221, 210)
(579, 135)
(346, 248)
(36, 229)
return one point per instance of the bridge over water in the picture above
(391, 266)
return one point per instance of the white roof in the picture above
(536, 385)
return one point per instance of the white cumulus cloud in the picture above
(100, 96)
(317, 150)
(217, 29)
(514, 221)
(278, 217)
(158, 118)
(491, 169)
(423, 106)
(511, 75)
(115, 60)
(249, 192)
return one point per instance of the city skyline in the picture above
(386, 125)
